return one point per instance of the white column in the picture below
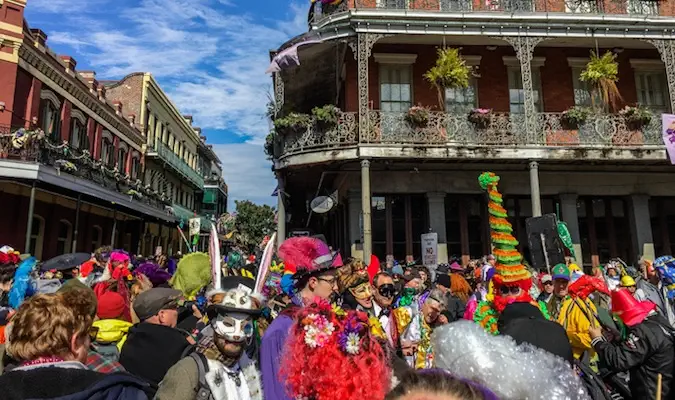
(436, 208)
(641, 227)
(534, 189)
(365, 211)
(568, 207)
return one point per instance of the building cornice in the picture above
(151, 83)
(73, 89)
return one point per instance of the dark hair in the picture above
(437, 382)
(7, 272)
(379, 274)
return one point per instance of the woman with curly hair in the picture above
(332, 354)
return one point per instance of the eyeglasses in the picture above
(331, 282)
(504, 290)
(93, 332)
(387, 290)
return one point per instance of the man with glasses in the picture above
(547, 283)
(384, 292)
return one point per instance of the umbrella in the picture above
(65, 261)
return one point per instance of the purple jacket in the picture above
(271, 351)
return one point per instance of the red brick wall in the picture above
(24, 82)
(556, 75)
(8, 72)
(130, 92)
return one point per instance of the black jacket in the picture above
(647, 352)
(70, 384)
(455, 310)
(150, 350)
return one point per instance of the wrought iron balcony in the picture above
(600, 131)
(177, 163)
(34, 146)
(320, 11)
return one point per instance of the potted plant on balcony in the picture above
(636, 118)
(292, 123)
(602, 73)
(417, 117)
(269, 145)
(570, 121)
(480, 117)
(326, 117)
(449, 72)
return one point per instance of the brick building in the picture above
(78, 164)
(609, 179)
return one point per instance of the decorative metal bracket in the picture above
(524, 47)
(364, 48)
(666, 48)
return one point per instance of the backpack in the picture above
(203, 391)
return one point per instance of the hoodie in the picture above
(112, 334)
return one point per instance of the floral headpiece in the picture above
(319, 325)
(9, 256)
(355, 328)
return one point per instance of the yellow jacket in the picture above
(112, 331)
(576, 322)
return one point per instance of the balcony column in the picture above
(641, 226)
(568, 207)
(666, 48)
(534, 189)
(364, 47)
(281, 209)
(436, 208)
(524, 47)
(365, 210)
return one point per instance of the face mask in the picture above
(362, 291)
(233, 327)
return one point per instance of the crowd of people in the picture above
(309, 326)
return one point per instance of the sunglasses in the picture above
(387, 290)
(504, 290)
(93, 332)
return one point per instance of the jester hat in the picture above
(307, 256)
(509, 268)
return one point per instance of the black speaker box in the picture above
(550, 246)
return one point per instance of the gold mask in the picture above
(362, 291)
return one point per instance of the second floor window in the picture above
(652, 90)
(395, 87)
(135, 167)
(517, 94)
(121, 160)
(582, 6)
(78, 135)
(644, 7)
(50, 119)
(461, 100)
(107, 152)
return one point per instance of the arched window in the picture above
(122, 159)
(50, 119)
(37, 236)
(65, 237)
(96, 237)
(135, 167)
(107, 149)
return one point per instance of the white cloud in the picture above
(247, 173)
(63, 6)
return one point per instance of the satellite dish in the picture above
(322, 204)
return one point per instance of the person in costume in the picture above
(645, 353)
(314, 276)
(575, 314)
(220, 367)
(511, 281)
(665, 270)
(628, 283)
(332, 354)
(384, 292)
(356, 292)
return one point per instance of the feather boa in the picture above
(22, 282)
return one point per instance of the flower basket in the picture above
(450, 71)
(326, 117)
(417, 117)
(480, 117)
(636, 117)
(574, 117)
(292, 123)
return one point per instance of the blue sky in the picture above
(210, 56)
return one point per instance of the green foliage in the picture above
(418, 116)
(252, 224)
(603, 73)
(450, 71)
(637, 116)
(327, 116)
(574, 117)
(292, 122)
(269, 144)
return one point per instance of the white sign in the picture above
(430, 249)
(195, 225)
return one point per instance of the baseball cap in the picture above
(561, 271)
(546, 278)
(151, 302)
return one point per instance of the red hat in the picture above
(110, 306)
(631, 311)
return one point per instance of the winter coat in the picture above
(71, 381)
(647, 351)
(574, 317)
(112, 333)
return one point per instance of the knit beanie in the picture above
(110, 306)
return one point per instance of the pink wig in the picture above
(330, 372)
(306, 253)
(118, 256)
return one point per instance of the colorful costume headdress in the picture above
(305, 256)
(665, 267)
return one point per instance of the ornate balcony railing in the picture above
(500, 129)
(34, 146)
(166, 154)
(320, 11)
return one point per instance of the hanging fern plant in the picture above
(603, 73)
(449, 72)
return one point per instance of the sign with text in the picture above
(669, 135)
(195, 226)
(430, 249)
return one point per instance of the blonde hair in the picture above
(44, 325)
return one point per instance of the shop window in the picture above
(378, 214)
(37, 236)
(96, 237)
(64, 239)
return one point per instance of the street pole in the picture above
(29, 224)
(77, 222)
(114, 229)
(534, 189)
